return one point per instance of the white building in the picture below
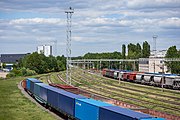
(40, 49)
(155, 63)
(45, 49)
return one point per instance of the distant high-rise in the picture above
(45, 49)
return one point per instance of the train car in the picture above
(121, 75)
(104, 72)
(159, 80)
(132, 76)
(68, 88)
(116, 74)
(147, 78)
(71, 105)
(126, 75)
(111, 74)
(23, 84)
(118, 113)
(88, 109)
(40, 92)
(172, 81)
(156, 79)
(30, 84)
(63, 101)
(139, 77)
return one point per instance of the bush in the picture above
(17, 72)
(30, 72)
(10, 75)
(21, 72)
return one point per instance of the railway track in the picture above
(95, 90)
(114, 83)
(102, 87)
(175, 91)
(137, 100)
(109, 93)
(177, 98)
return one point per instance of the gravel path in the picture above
(3, 74)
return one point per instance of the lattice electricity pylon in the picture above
(68, 45)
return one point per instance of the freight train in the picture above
(78, 107)
(156, 79)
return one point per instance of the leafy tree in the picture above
(172, 52)
(132, 51)
(146, 50)
(42, 64)
(61, 63)
(124, 51)
(174, 67)
(139, 50)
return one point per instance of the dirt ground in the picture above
(3, 74)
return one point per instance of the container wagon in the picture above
(118, 113)
(77, 106)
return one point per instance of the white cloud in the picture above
(170, 23)
(55, 21)
(153, 3)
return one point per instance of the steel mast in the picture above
(69, 13)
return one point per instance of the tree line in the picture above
(36, 63)
(134, 51)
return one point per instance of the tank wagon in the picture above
(78, 107)
(155, 79)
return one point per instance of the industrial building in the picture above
(45, 49)
(155, 63)
(10, 59)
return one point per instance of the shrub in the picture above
(10, 75)
(21, 72)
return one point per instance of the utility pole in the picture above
(163, 77)
(154, 41)
(155, 52)
(69, 13)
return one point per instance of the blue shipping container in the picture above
(27, 84)
(32, 82)
(44, 91)
(30, 85)
(62, 100)
(67, 102)
(53, 97)
(154, 119)
(88, 109)
(41, 90)
(37, 89)
(118, 113)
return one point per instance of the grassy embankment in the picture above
(15, 106)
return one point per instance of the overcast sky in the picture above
(97, 25)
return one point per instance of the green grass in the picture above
(15, 106)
